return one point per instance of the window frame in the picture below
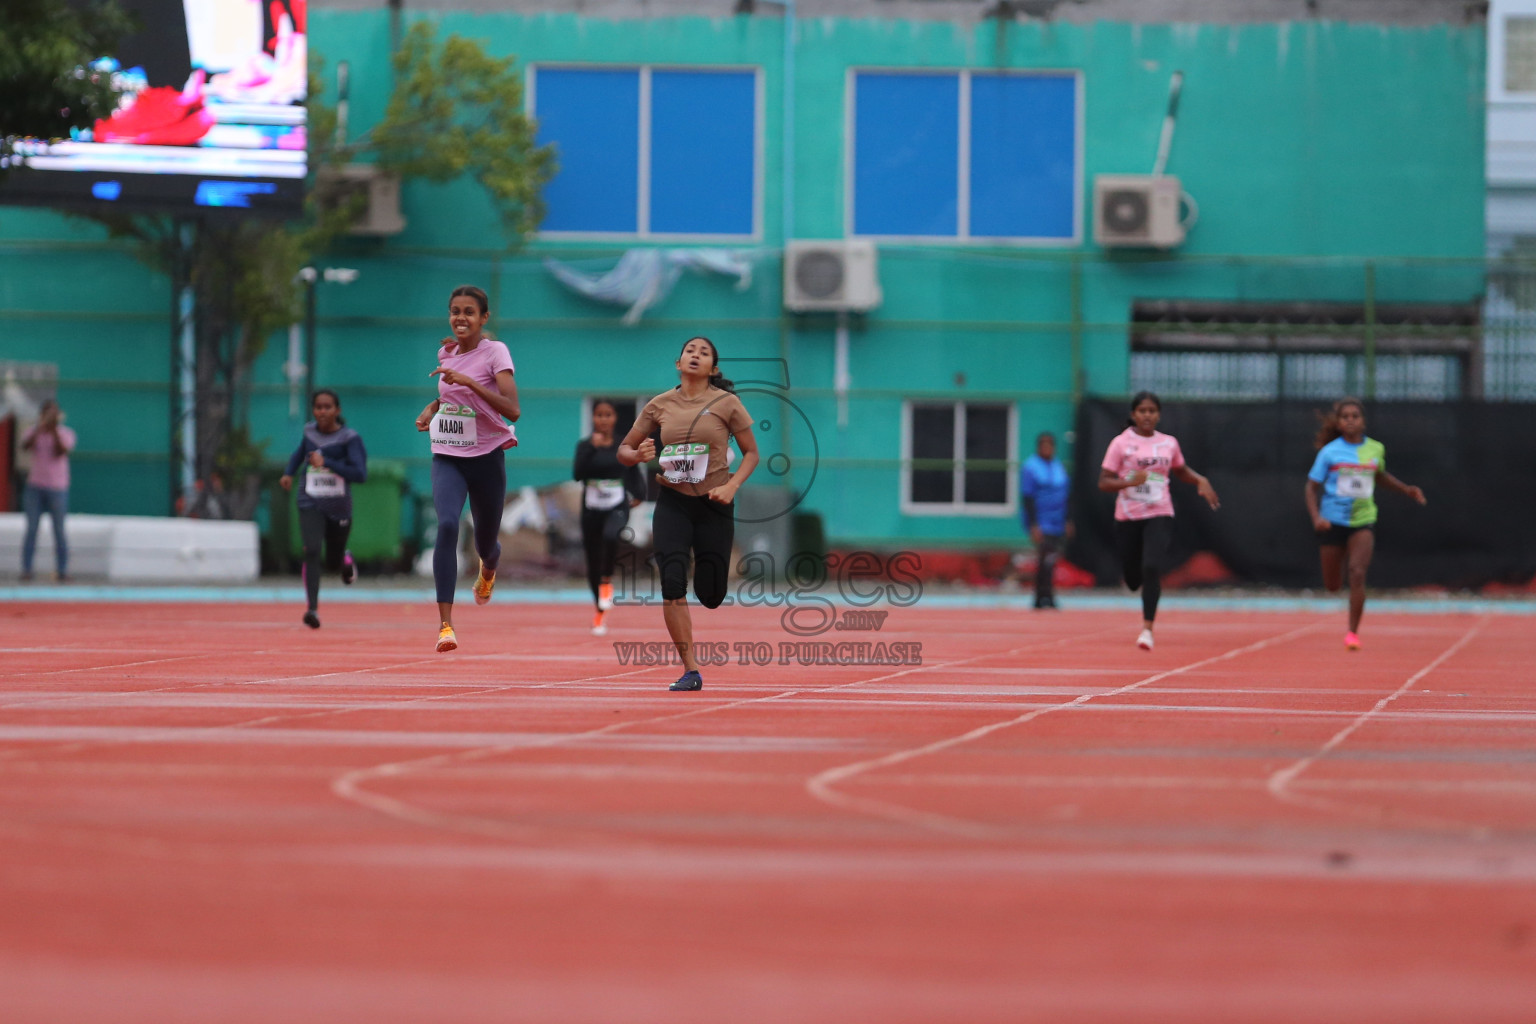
(643, 230)
(962, 236)
(958, 506)
(1499, 15)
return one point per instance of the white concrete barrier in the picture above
(138, 549)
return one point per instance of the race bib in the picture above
(1154, 488)
(454, 427)
(1356, 482)
(604, 494)
(322, 483)
(685, 463)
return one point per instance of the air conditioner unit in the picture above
(382, 214)
(1137, 210)
(837, 275)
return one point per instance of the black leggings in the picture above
(483, 480)
(317, 529)
(687, 523)
(1144, 545)
(600, 529)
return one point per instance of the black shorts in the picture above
(1338, 536)
(685, 525)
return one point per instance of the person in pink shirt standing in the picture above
(50, 443)
(1137, 468)
(475, 390)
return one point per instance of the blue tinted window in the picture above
(906, 155)
(1023, 156)
(703, 151)
(1021, 165)
(593, 118)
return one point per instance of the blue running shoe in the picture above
(689, 681)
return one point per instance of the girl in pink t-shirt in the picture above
(47, 490)
(475, 390)
(1137, 468)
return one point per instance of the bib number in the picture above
(1154, 488)
(604, 494)
(322, 483)
(685, 463)
(1356, 482)
(454, 427)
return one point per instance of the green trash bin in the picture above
(376, 521)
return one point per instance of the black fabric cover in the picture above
(1475, 460)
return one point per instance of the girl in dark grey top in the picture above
(609, 490)
(333, 458)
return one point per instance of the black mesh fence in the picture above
(1476, 462)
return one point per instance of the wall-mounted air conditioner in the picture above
(1138, 210)
(382, 214)
(837, 275)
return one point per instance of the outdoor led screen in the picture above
(212, 116)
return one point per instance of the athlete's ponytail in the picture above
(1328, 426)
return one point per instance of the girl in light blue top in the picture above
(1341, 498)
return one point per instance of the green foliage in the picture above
(46, 48)
(457, 110)
(239, 457)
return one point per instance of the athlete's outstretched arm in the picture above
(1202, 485)
(726, 492)
(1392, 483)
(637, 446)
(1313, 495)
(424, 421)
(503, 399)
(1108, 481)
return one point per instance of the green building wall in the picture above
(1315, 150)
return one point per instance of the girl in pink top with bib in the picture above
(475, 390)
(1137, 468)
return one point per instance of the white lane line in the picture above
(718, 776)
(1279, 783)
(690, 776)
(1455, 864)
(822, 785)
(351, 786)
(100, 737)
(119, 665)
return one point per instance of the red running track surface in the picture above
(212, 814)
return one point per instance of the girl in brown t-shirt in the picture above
(695, 512)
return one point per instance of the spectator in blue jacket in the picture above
(1044, 489)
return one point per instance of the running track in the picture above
(211, 814)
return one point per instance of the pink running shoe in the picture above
(1352, 641)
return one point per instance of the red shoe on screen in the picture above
(160, 116)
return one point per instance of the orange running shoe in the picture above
(446, 641)
(484, 586)
(604, 596)
(598, 629)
